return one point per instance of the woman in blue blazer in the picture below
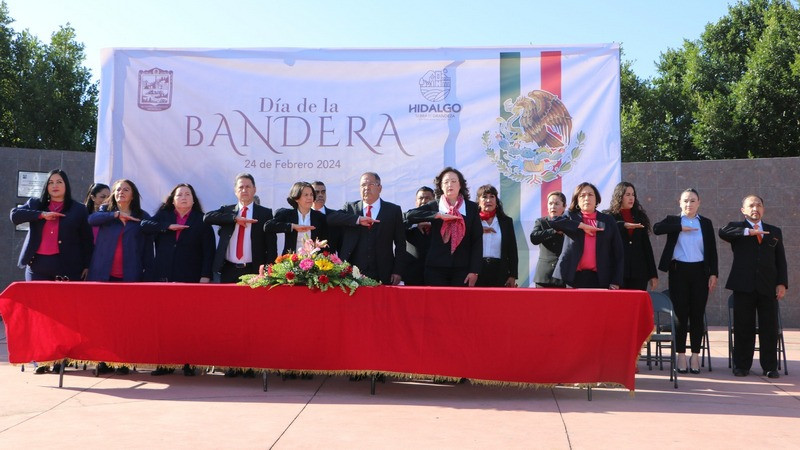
(124, 247)
(185, 245)
(301, 219)
(58, 245)
(592, 256)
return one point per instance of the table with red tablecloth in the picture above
(536, 336)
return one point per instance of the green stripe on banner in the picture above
(510, 190)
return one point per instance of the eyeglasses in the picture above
(62, 278)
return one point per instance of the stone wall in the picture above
(721, 185)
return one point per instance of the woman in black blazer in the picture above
(690, 257)
(184, 244)
(634, 228)
(302, 220)
(549, 241)
(500, 259)
(58, 245)
(592, 256)
(455, 255)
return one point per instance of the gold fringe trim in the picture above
(363, 373)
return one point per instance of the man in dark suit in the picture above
(371, 248)
(758, 279)
(418, 240)
(243, 245)
(334, 233)
(549, 241)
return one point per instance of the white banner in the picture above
(526, 120)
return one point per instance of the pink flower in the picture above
(323, 279)
(261, 270)
(306, 264)
(269, 269)
(335, 259)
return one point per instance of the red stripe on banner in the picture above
(551, 82)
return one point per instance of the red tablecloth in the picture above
(507, 335)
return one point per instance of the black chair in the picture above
(781, 341)
(705, 344)
(663, 336)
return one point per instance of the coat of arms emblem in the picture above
(155, 89)
(534, 145)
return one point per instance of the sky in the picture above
(644, 28)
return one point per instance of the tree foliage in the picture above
(732, 93)
(47, 98)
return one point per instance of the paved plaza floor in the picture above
(712, 409)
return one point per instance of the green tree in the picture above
(732, 93)
(47, 99)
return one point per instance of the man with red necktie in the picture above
(379, 251)
(758, 279)
(244, 245)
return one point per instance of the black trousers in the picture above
(688, 290)
(230, 273)
(639, 284)
(494, 273)
(745, 307)
(446, 276)
(586, 279)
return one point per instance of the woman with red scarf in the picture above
(455, 256)
(592, 256)
(500, 259)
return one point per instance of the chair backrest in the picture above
(662, 308)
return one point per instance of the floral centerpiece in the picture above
(310, 266)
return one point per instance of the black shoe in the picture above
(42, 369)
(161, 371)
(249, 373)
(231, 373)
(188, 371)
(682, 370)
(740, 372)
(122, 370)
(104, 368)
(694, 371)
(772, 374)
(307, 376)
(56, 367)
(356, 377)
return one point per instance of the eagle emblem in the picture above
(535, 143)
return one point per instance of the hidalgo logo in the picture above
(155, 89)
(435, 85)
(534, 144)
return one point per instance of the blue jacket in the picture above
(74, 236)
(137, 246)
(609, 251)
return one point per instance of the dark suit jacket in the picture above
(334, 232)
(282, 223)
(756, 267)
(74, 236)
(137, 246)
(610, 259)
(264, 244)
(508, 245)
(550, 243)
(365, 246)
(188, 258)
(671, 226)
(640, 262)
(469, 252)
(417, 244)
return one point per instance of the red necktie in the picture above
(369, 214)
(240, 237)
(758, 236)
